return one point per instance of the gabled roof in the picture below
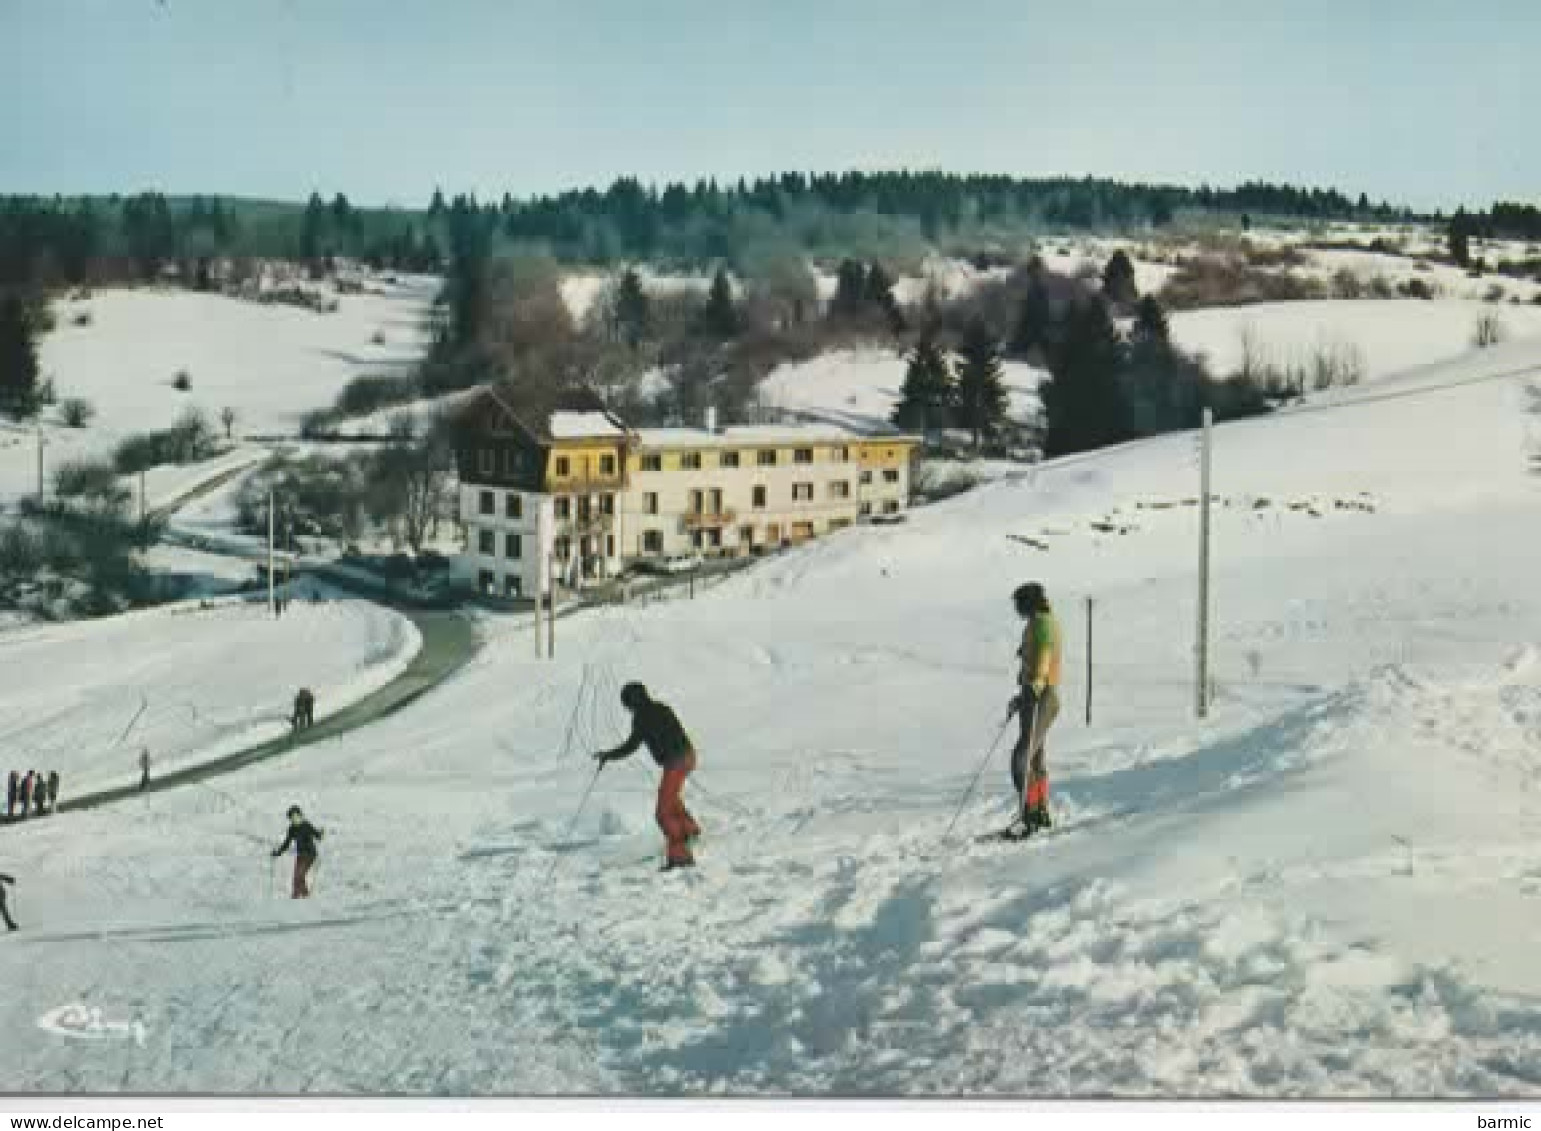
(543, 416)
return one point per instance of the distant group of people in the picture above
(31, 794)
(304, 716)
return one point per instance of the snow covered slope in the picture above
(271, 363)
(1327, 888)
(211, 680)
(1388, 335)
(859, 388)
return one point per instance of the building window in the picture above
(511, 586)
(802, 455)
(487, 543)
(802, 492)
(865, 510)
(489, 503)
(563, 507)
(728, 459)
(866, 477)
(759, 495)
(563, 548)
(512, 464)
(607, 465)
(652, 542)
(840, 490)
(891, 475)
(562, 465)
(607, 504)
(716, 500)
(891, 506)
(838, 524)
(609, 545)
(652, 463)
(487, 581)
(487, 461)
(746, 536)
(513, 547)
(714, 539)
(513, 506)
(695, 502)
(650, 503)
(767, 458)
(691, 461)
(842, 455)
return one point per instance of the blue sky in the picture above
(1425, 101)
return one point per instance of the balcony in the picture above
(706, 520)
(591, 522)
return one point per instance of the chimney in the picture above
(711, 419)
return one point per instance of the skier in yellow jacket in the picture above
(1037, 706)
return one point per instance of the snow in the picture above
(1389, 335)
(271, 363)
(858, 389)
(214, 678)
(1327, 888)
(751, 434)
(584, 426)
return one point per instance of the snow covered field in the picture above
(272, 364)
(1328, 888)
(859, 388)
(212, 680)
(1389, 335)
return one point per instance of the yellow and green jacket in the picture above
(1040, 651)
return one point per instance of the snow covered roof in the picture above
(565, 425)
(751, 435)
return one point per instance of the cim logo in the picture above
(83, 1023)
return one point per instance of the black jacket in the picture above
(303, 836)
(655, 726)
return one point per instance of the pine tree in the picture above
(719, 318)
(928, 387)
(1034, 331)
(981, 393)
(1150, 322)
(1460, 238)
(850, 290)
(633, 311)
(1084, 400)
(1118, 279)
(18, 356)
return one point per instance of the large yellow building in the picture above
(580, 492)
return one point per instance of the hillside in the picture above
(1324, 889)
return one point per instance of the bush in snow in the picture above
(182, 382)
(189, 440)
(76, 412)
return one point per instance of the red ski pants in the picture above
(673, 818)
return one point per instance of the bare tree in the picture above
(408, 486)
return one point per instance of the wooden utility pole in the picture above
(551, 611)
(1201, 691)
(1088, 661)
(272, 597)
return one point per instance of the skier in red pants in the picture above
(656, 726)
(303, 835)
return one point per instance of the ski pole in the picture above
(985, 761)
(573, 824)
